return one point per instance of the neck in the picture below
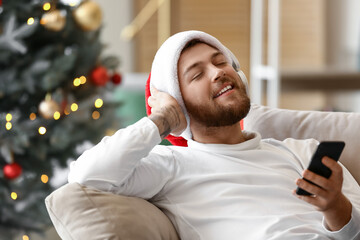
(219, 135)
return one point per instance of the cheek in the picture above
(196, 93)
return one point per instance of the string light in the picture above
(14, 195)
(44, 178)
(57, 115)
(77, 82)
(42, 130)
(98, 103)
(8, 117)
(74, 107)
(30, 21)
(32, 116)
(82, 79)
(8, 125)
(25, 237)
(46, 6)
(95, 115)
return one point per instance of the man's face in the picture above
(213, 93)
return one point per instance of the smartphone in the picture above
(331, 149)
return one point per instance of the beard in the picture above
(217, 115)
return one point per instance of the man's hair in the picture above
(191, 44)
(194, 42)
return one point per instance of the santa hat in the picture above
(164, 72)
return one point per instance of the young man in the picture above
(228, 183)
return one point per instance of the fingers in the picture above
(316, 199)
(152, 97)
(334, 166)
(315, 178)
(151, 101)
(153, 90)
(325, 190)
(326, 183)
(313, 199)
(310, 187)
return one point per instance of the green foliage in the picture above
(36, 62)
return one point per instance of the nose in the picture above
(216, 73)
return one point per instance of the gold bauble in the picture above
(88, 16)
(53, 20)
(47, 108)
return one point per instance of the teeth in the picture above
(224, 90)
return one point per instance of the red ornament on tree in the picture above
(116, 78)
(63, 105)
(12, 170)
(99, 76)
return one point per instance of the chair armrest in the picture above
(78, 212)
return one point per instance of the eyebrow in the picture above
(198, 63)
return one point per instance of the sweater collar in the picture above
(253, 142)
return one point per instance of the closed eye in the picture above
(219, 59)
(196, 76)
(220, 63)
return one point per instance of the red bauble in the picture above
(99, 76)
(12, 170)
(63, 105)
(116, 78)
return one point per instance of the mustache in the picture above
(226, 79)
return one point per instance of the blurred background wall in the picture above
(319, 44)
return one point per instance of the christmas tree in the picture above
(55, 94)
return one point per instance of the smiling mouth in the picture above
(224, 90)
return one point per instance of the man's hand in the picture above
(328, 197)
(166, 113)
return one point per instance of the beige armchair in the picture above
(82, 213)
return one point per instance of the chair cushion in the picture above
(78, 212)
(282, 123)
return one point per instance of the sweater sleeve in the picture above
(122, 164)
(350, 231)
